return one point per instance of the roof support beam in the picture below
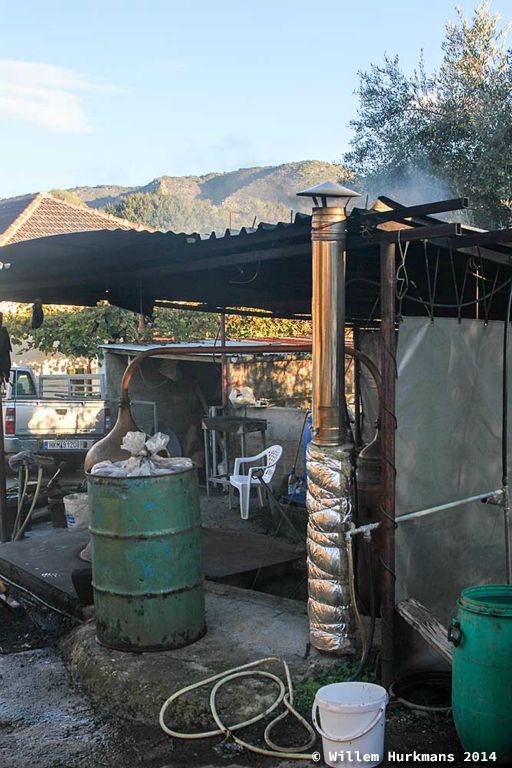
(492, 237)
(426, 209)
(381, 236)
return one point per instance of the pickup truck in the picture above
(57, 415)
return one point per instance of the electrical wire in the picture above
(438, 305)
(40, 600)
(284, 512)
(250, 280)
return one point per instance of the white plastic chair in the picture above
(244, 483)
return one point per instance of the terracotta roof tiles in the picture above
(40, 215)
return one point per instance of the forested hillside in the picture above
(216, 201)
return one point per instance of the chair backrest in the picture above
(273, 454)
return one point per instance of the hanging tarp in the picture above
(448, 447)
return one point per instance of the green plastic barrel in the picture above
(146, 561)
(481, 634)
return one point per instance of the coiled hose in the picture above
(285, 696)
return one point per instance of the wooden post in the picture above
(3, 489)
(388, 427)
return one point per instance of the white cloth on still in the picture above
(144, 460)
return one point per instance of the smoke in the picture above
(413, 185)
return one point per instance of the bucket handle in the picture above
(345, 738)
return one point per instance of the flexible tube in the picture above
(369, 643)
(285, 696)
(32, 506)
(21, 498)
(352, 589)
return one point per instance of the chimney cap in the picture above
(328, 189)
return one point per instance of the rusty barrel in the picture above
(146, 561)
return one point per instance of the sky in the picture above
(123, 91)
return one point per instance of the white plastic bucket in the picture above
(76, 510)
(352, 720)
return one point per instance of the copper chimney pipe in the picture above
(328, 455)
(329, 239)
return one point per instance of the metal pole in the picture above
(448, 505)
(225, 384)
(224, 364)
(358, 427)
(3, 489)
(388, 427)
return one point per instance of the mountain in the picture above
(216, 201)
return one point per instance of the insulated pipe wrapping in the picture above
(328, 502)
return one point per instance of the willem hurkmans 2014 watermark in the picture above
(393, 756)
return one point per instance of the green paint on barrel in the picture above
(146, 561)
(482, 670)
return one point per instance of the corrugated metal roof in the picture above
(132, 269)
(267, 269)
(208, 344)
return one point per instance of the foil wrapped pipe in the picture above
(329, 517)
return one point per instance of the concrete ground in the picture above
(243, 626)
(53, 726)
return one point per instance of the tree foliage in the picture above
(447, 132)
(67, 195)
(79, 332)
(178, 213)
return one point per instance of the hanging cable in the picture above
(439, 305)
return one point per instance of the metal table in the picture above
(239, 426)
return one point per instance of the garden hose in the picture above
(285, 696)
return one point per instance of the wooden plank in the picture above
(427, 626)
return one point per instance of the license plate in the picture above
(67, 445)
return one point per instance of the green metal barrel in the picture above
(146, 561)
(482, 670)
